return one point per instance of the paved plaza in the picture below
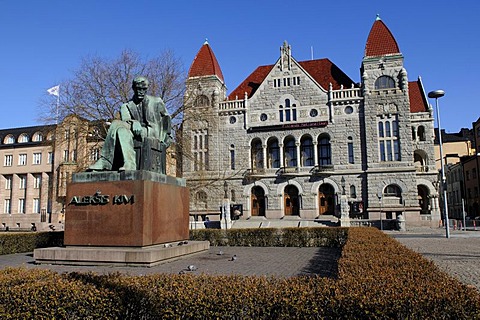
(459, 256)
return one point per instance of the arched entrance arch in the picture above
(423, 199)
(326, 199)
(291, 200)
(258, 201)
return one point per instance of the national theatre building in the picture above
(302, 140)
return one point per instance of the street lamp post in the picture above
(435, 95)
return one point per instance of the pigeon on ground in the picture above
(220, 253)
(191, 268)
(234, 257)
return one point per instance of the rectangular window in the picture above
(22, 159)
(389, 143)
(65, 155)
(7, 206)
(22, 181)
(232, 159)
(94, 154)
(37, 181)
(37, 158)
(8, 160)
(50, 157)
(8, 182)
(21, 205)
(74, 156)
(36, 205)
(351, 157)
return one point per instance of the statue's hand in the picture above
(137, 128)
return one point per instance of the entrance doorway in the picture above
(291, 201)
(258, 201)
(326, 195)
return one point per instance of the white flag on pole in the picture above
(54, 91)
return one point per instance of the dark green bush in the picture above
(270, 237)
(16, 242)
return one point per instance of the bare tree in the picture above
(100, 85)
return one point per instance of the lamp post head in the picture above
(436, 94)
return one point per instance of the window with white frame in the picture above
(8, 160)
(388, 139)
(10, 139)
(50, 157)
(8, 182)
(94, 154)
(7, 207)
(66, 153)
(23, 138)
(36, 205)
(37, 137)
(22, 159)
(37, 158)
(22, 181)
(200, 149)
(37, 181)
(21, 205)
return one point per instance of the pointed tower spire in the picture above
(205, 63)
(380, 41)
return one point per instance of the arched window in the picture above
(421, 133)
(353, 192)
(392, 190)
(273, 153)
(257, 154)
(23, 138)
(306, 151)
(384, 82)
(324, 151)
(10, 139)
(232, 157)
(351, 155)
(290, 152)
(37, 137)
(202, 101)
(289, 112)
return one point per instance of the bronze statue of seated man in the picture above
(144, 121)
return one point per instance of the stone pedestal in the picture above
(131, 218)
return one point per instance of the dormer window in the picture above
(384, 82)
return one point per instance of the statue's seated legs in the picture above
(118, 151)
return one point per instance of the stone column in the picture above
(344, 214)
(297, 149)
(226, 221)
(315, 153)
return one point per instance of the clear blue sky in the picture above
(43, 41)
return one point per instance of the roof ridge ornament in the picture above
(285, 54)
(378, 17)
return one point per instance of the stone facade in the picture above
(297, 137)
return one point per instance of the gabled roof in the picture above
(380, 41)
(205, 64)
(416, 95)
(323, 71)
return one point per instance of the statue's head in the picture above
(140, 86)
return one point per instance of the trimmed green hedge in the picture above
(16, 242)
(270, 237)
(378, 278)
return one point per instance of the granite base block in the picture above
(117, 256)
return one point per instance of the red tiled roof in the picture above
(205, 64)
(418, 101)
(380, 41)
(323, 71)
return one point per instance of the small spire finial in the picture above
(378, 17)
(206, 41)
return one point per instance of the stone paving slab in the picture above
(267, 261)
